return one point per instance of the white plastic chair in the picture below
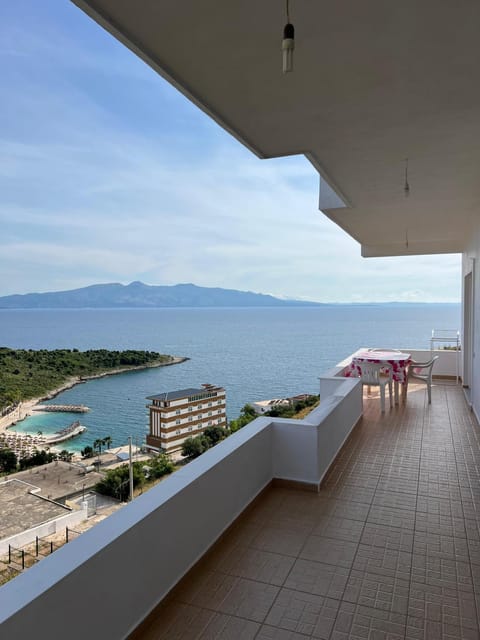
(422, 371)
(375, 374)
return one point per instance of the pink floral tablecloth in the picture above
(398, 361)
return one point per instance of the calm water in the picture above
(254, 353)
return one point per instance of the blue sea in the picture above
(255, 353)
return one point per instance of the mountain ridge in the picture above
(140, 295)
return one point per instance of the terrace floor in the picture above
(388, 550)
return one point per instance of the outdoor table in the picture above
(398, 361)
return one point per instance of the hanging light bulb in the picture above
(288, 44)
(406, 188)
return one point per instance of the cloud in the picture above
(108, 174)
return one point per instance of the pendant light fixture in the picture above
(406, 188)
(288, 43)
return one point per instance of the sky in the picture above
(108, 174)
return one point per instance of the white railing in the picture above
(113, 575)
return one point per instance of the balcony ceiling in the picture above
(374, 83)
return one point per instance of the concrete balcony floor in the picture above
(388, 550)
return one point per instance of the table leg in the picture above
(396, 392)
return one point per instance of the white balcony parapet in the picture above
(113, 575)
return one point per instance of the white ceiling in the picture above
(374, 82)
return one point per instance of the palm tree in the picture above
(107, 441)
(98, 444)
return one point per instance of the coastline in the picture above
(26, 408)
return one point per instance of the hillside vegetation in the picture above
(26, 374)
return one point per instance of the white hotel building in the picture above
(178, 415)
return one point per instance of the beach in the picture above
(27, 407)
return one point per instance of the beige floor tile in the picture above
(398, 485)
(442, 572)
(395, 499)
(356, 622)
(248, 599)
(353, 493)
(437, 545)
(337, 552)
(223, 627)
(346, 509)
(379, 560)
(443, 604)
(388, 537)
(178, 621)
(204, 589)
(318, 578)
(377, 591)
(391, 517)
(304, 613)
(339, 528)
(423, 629)
(274, 633)
(442, 524)
(276, 539)
(255, 564)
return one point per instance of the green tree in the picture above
(116, 482)
(97, 445)
(107, 441)
(37, 458)
(88, 452)
(8, 461)
(160, 465)
(215, 434)
(194, 447)
(65, 455)
(247, 414)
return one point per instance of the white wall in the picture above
(471, 262)
(446, 365)
(45, 529)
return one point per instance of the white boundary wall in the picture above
(45, 529)
(119, 570)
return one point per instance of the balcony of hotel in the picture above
(342, 525)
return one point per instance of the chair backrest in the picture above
(422, 370)
(370, 371)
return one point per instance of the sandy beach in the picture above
(26, 408)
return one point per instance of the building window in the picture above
(190, 418)
(200, 417)
(178, 412)
(190, 428)
(219, 402)
(219, 420)
(200, 406)
(219, 411)
(190, 408)
(209, 404)
(177, 421)
(178, 432)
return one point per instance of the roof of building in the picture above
(183, 393)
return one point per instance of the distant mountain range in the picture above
(138, 294)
